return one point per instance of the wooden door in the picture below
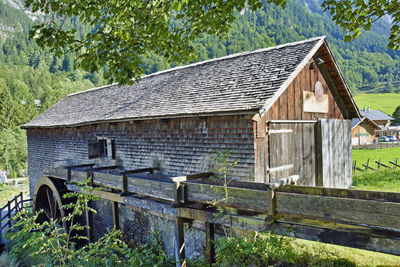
(292, 150)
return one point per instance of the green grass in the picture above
(384, 155)
(348, 256)
(383, 180)
(265, 249)
(384, 102)
(7, 192)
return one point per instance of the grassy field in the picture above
(7, 192)
(384, 155)
(349, 256)
(384, 102)
(384, 180)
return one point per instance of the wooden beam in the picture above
(89, 223)
(318, 154)
(179, 242)
(291, 180)
(79, 166)
(340, 210)
(114, 197)
(138, 171)
(210, 242)
(105, 168)
(333, 89)
(115, 210)
(238, 197)
(191, 177)
(394, 163)
(323, 231)
(349, 238)
(280, 168)
(343, 193)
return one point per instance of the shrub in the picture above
(6, 260)
(266, 249)
(49, 244)
(260, 250)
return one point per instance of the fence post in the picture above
(9, 213)
(1, 225)
(179, 242)
(210, 242)
(16, 204)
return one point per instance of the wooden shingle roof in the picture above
(240, 83)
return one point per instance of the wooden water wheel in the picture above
(48, 196)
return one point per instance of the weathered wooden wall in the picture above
(319, 152)
(177, 146)
(335, 153)
(363, 133)
(289, 106)
(295, 147)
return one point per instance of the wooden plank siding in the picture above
(364, 132)
(336, 153)
(289, 106)
(293, 95)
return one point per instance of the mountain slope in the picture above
(32, 79)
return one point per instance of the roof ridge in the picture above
(92, 89)
(235, 55)
(213, 60)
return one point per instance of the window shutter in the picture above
(93, 149)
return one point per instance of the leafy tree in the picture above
(357, 15)
(396, 115)
(123, 31)
(13, 152)
(6, 107)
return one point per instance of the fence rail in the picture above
(378, 145)
(10, 209)
(379, 165)
(356, 218)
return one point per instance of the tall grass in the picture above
(383, 180)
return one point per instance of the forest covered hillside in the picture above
(31, 79)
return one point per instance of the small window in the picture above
(101, 148)
(102, 143)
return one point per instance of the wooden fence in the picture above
(362, 219)
(378, 145)
(9, 210)
(379, 165)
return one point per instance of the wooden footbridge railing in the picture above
(7, 212)
(361, 219)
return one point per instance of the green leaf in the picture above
(347, 38)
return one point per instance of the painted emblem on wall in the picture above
(316, 101)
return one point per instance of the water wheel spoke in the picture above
(46, 212)
(50, 200)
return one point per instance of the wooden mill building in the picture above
(282, 110)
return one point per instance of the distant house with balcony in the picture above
(377, 116)
(363, 131)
